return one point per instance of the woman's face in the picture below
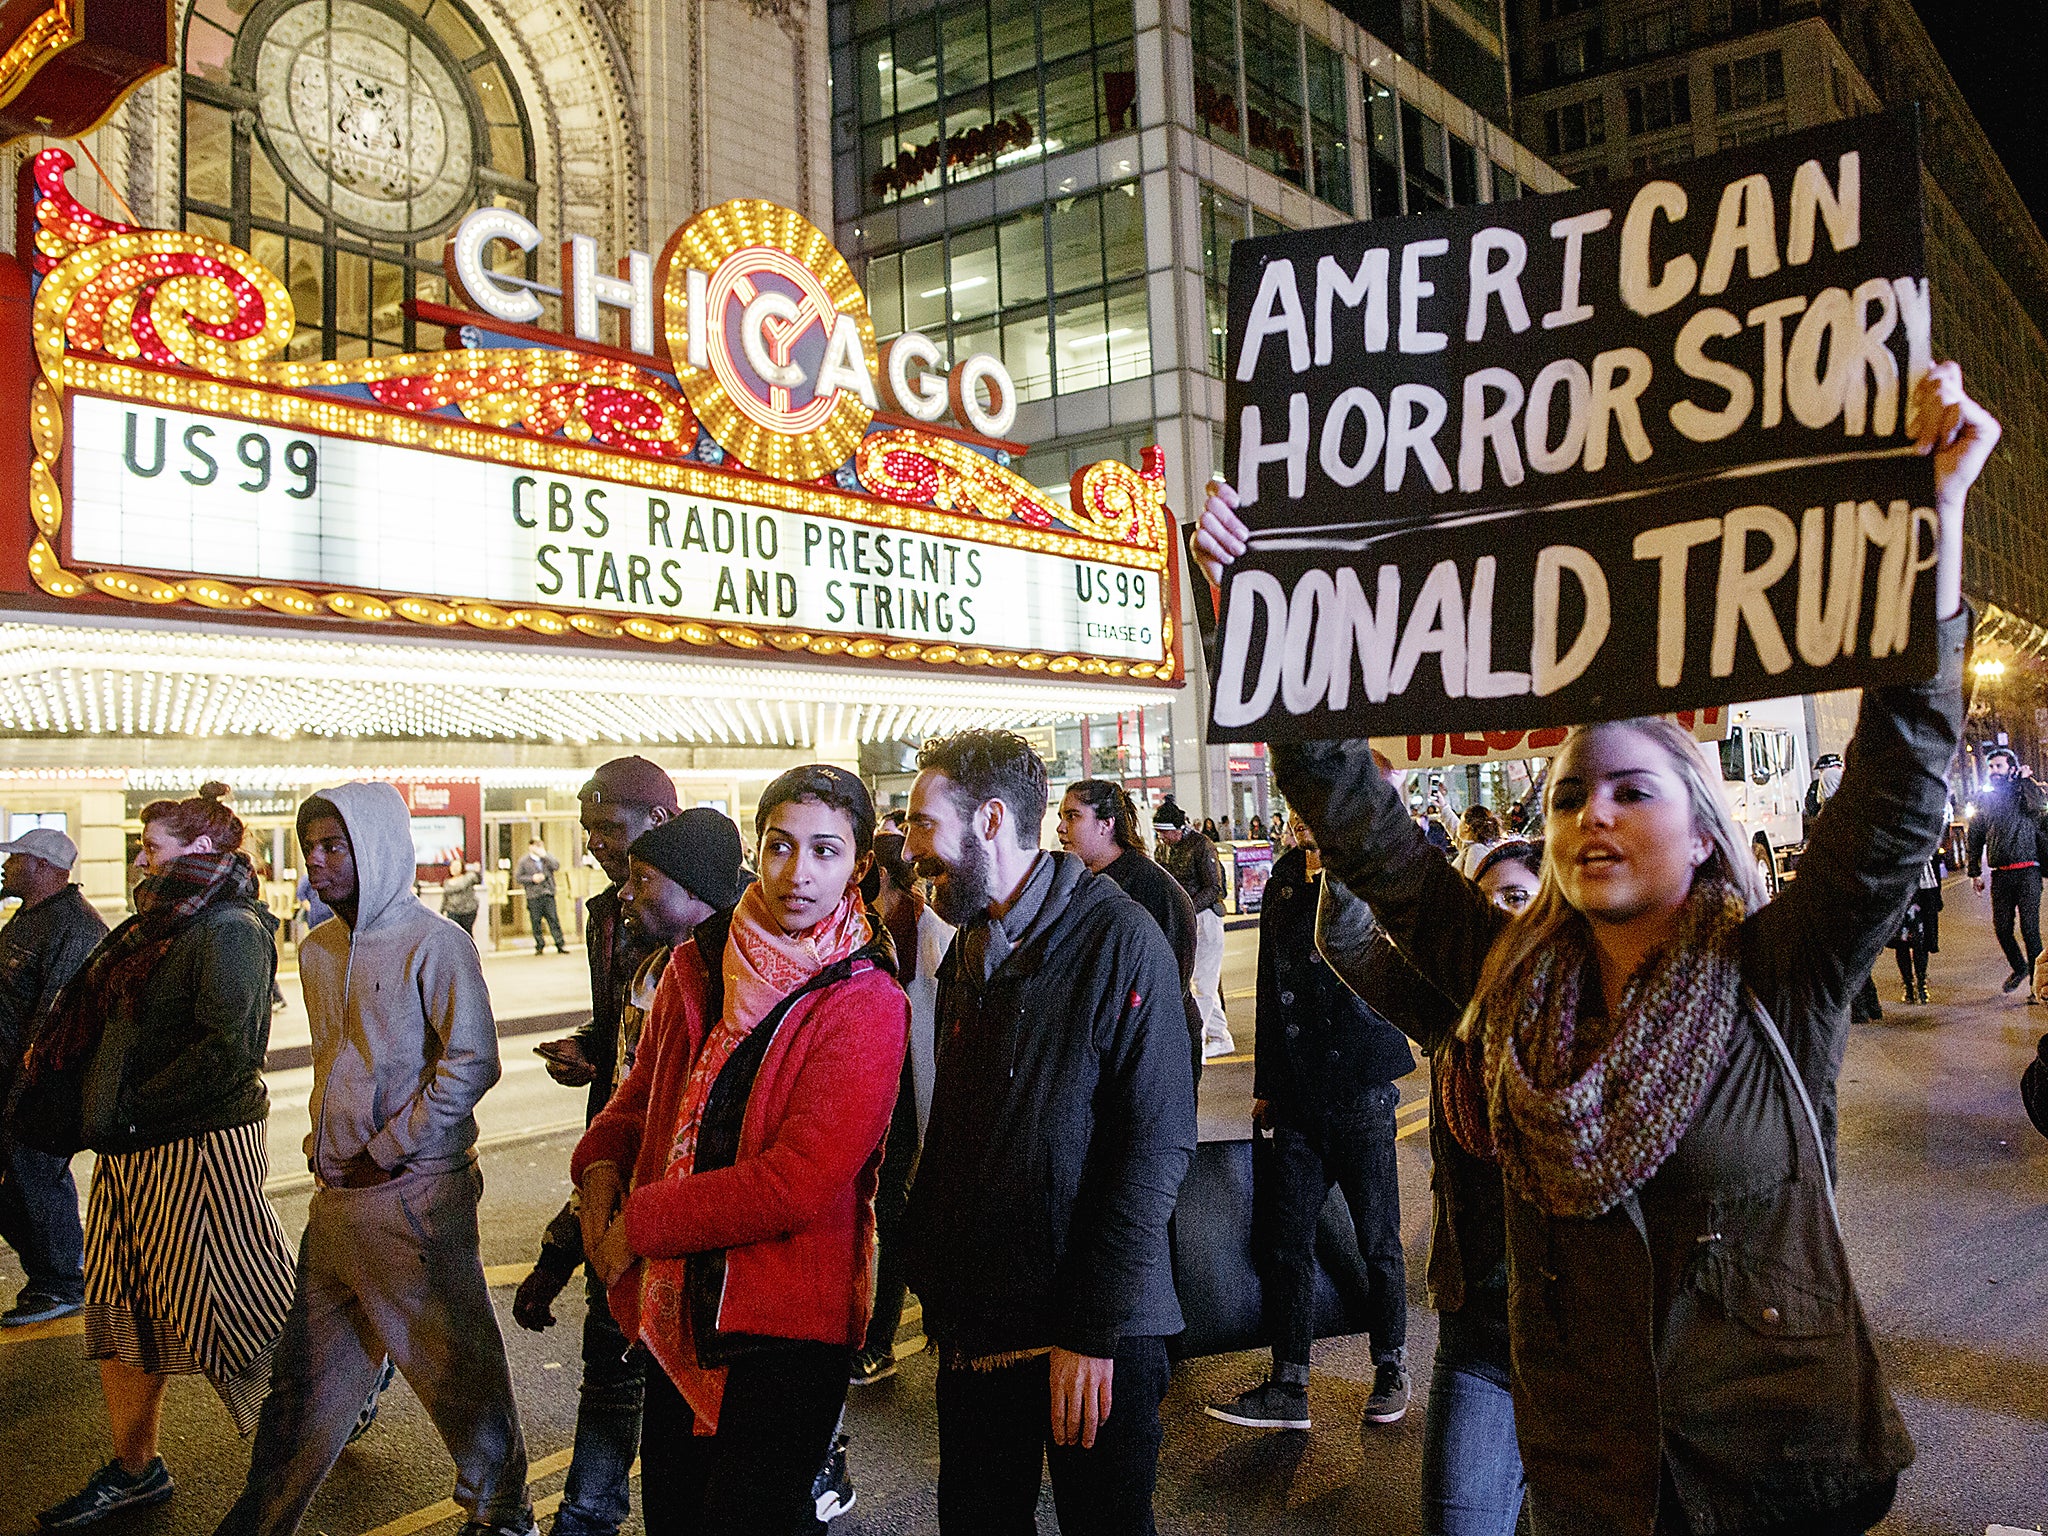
(1619, 828)
(1086, 835)
(1509, 885)
(807, 863)
(160, 849)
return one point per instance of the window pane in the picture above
(964, 114)
(1333, 171)
(1507, 186)
(1464, 173)
(924, 289)
(508, 150)
(268, 249)
(1027, 353)
(351, 293)
(302, 259)
(1070, 104)
(1422, 144)
(964, 34)
(1116, 68)
(972, 336)
(1013, 38)
(875, 67)
(387, 301)
(973, 273)
(1015, 97)
(1067, 28)
(1022, 244)
(208, 154)
(1123, 231)
(1112, 20)
(208, 51)
(1385, 167)
(1083, 339)
(1130, 333)
(916, 66)
(1076, 244)
(885, 295)
(1214, 37)
(456, 32)
(266, 187)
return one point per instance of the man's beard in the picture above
(963, 893)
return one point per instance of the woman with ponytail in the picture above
(186, 1268)
(1648, 1054)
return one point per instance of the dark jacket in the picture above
(190, 1058)
(1063, 1120)
(41, 948)
(1194, 863)
(2007, 828)
(1147, 883)
(1468, 1258)
(1706, 1331)
(615, 952)
(1320, 1048)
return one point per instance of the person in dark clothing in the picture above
(459, 900)
(1062, 1123)
(624, 799)
(1323, 1090)
(41, 948)
(2006, 834)
(536, 876)
(1192, 860)
(1099, 826)
(1919, 935)
(1645, 1052)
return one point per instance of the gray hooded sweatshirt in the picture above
(404, 1042)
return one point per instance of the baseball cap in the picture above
(45, 843)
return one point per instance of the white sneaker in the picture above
(1215, 1045)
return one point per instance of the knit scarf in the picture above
(762, 966)
(1581, 1117)
(115, 978)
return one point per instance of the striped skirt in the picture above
(186, 1268)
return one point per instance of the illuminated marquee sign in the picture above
(739, 490)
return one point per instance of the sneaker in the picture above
(1214, 1045)
(368, 1415)
(1266, 1406)
(34, 1307)
(871, 1366)
(1389, 1401)
(107, 1492)
(1909, 996)
(2015, 981)
(832, 1491)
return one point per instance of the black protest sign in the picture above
(1612, 452)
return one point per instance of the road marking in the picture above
(56, 1328)
(505, 1274)
(448, 1509)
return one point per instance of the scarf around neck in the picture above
(1580, 1118)
(115, 977)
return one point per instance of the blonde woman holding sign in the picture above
(1649, 1053)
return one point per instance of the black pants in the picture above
(752, 1478)
(1912, 960)
(466, 921)
(2017, 892)
(539, 910)
(1355, 1152)
(892, 1198)
(995, 1434)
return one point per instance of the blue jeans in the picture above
(595, 1499)
(39, 1221)
(1471, 1466)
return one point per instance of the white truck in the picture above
(1765, 773)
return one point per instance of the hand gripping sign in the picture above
(1613, 452)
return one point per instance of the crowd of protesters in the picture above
(813, 1086)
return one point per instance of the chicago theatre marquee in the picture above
(737, 527)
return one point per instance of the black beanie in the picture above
(699, 850)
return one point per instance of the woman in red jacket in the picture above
(752, 1124)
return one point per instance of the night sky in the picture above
(1996, 49)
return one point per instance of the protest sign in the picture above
(1459, 749)
(1618, 451)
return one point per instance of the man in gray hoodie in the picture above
(403, 1047)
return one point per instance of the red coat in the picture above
(795, 1211)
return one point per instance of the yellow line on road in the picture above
(56, 1328)
(448, 1509)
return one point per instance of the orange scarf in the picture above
(763, 965)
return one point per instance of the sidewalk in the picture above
(531, 993)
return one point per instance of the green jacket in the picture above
(1704, 1340)
(190, 1058)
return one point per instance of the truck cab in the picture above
(1765, 774)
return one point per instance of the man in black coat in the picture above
(1323, 1087)
(1099, 826)
(2007, 834)
(41, 948)
(623, 799)
(1062, 1123)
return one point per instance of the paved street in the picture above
(1945, 1201)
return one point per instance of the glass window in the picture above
(1654, 32)
(1022, 244)
(1113, 21)
(1076, 225)
(1129, 337)
(915, 61)
(1329, 135)
(1070, 103)
(1013, 39)
(1731, 755)
(924, 289)
(354, 228)
(1123, 231)
(1027, 352)
(1507, 186)
(1223, 221)
(972, 278)
(1464, 173)
(963, 35)
(1273, 92)
(1575, 125)
(1422, 144)
(1081, 334)
(1213, 34)
(1384, 167)
(1659, 104)
(1749, 82)
(1067, 26)
(884, 287)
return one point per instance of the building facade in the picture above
(1060, 182)
(1610, 88)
